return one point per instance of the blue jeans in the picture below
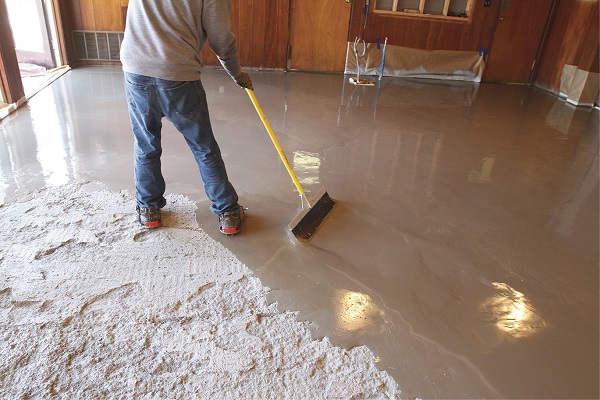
(184, 104)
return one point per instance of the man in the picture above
(160, 54)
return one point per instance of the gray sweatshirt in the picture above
(163, 38)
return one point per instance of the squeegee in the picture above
(313, 211)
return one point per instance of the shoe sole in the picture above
(150, 224)
(229, 231)
(233, 231)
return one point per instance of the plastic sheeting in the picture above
(579, 87)
(408, 62)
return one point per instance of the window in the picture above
(446, 9)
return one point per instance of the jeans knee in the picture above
(148, 156)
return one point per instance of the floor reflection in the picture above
(355, 310)
(512, 313)
(52, 142)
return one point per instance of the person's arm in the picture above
(216, 21)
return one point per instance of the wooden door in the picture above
(262, 31)
(10, 75)
(517, 38)
(319, 34)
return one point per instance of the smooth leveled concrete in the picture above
(463, 250)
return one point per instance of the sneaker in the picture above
(230, 221)
(149, 217)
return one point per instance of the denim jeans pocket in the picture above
(185, 97)
(137, 97)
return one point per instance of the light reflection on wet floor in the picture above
(463, 250)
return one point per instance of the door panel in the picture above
(319, 34)
(516, 41)
(30, 32)
(262, 31)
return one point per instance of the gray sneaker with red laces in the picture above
(231, 221)
(149, 217)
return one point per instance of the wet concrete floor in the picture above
(463, 250)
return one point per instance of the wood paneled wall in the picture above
(261, 27)
(426, 33)
(572, 39)
(95, 15)
(90, 15)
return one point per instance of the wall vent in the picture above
(97, 45)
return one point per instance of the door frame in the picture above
(10, 76)
(540, 51)
(11, 83)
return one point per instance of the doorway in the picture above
(517, 38)
(32, 35)
(36, 44)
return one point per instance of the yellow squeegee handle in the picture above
(275, 141)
